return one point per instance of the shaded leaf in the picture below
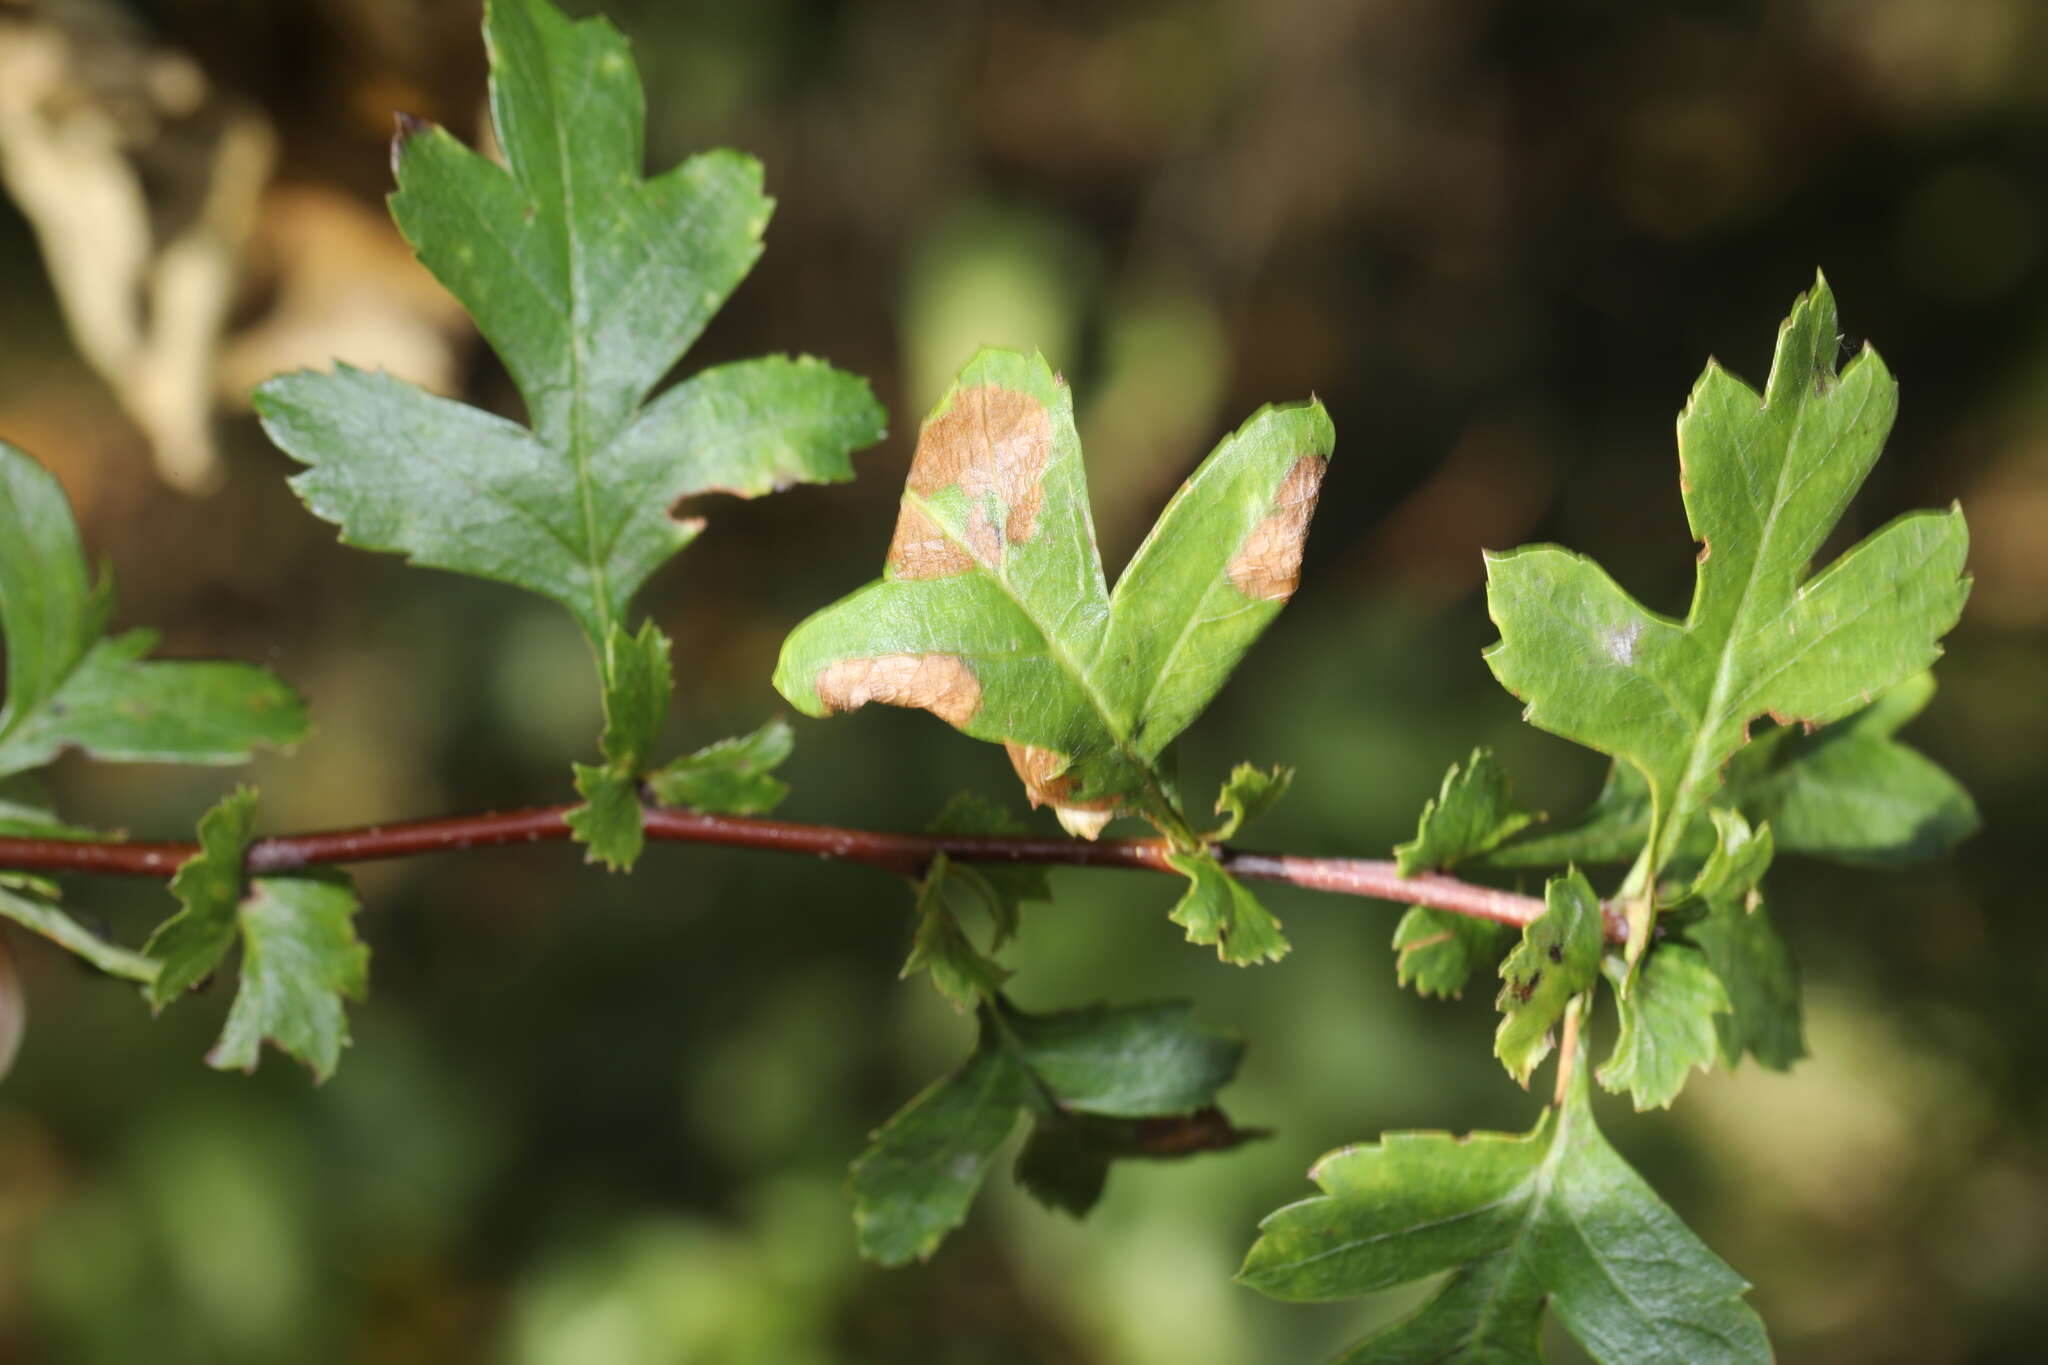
(731, 777)
(208, 885)
(300, 957)
(637, 687)
(1101, 1083)
(1849, 792)
(1002, 887)
(994, 615)
(1125, 1061)
(1552, 1217)
(1764, 481)
(36, 913)
(1217, 909)
(1436, 952)
(1742, 948)
(1065, 1162)
(69, 686)
(1470, 815)
(962, 972)
(1557, 959)
(1762, 984)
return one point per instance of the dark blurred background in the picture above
(598, 1119)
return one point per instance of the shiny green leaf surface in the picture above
(1552, 1217)
(1765, 478)
(590, 282)
(993, 612)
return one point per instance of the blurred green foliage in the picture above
(597, 1118)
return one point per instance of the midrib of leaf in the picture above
(1539, 1186)
(1066, 661)
(579, 366)
(1700, 757)
(1195, 619)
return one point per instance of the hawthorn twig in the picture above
(905, 854)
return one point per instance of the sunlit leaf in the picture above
(1250, 793)
(1470, 815)
(1669, 1024)
(1764, 478)
(731, 777)
(1218, 909)
(993, 613)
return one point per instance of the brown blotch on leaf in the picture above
(921, 550)
(991, 442)
(939, 683)
(1267, 567)
(1046, 784)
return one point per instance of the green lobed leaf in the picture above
(961, 972)
(1669, 1024)
(208, 886)
(1472, 814)
(1557, 959)
(1001, 887)
(36, 913)
(1849, 792)
(1250, 793)
(1764, 481)
(993, 613)
(1554, 1216)
(637, 688)
(300, 957)
(731, 777)
(1124, 1061)
(1742, 948)
(1744, 951)
(1217, 909)
(589, 281)
(1102, 1083)
(1436, 952)
(69, 686)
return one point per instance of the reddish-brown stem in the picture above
(904, 854)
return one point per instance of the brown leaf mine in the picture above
(1267, 566)
(994, 444)
(1046, 784)
(939, 683)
